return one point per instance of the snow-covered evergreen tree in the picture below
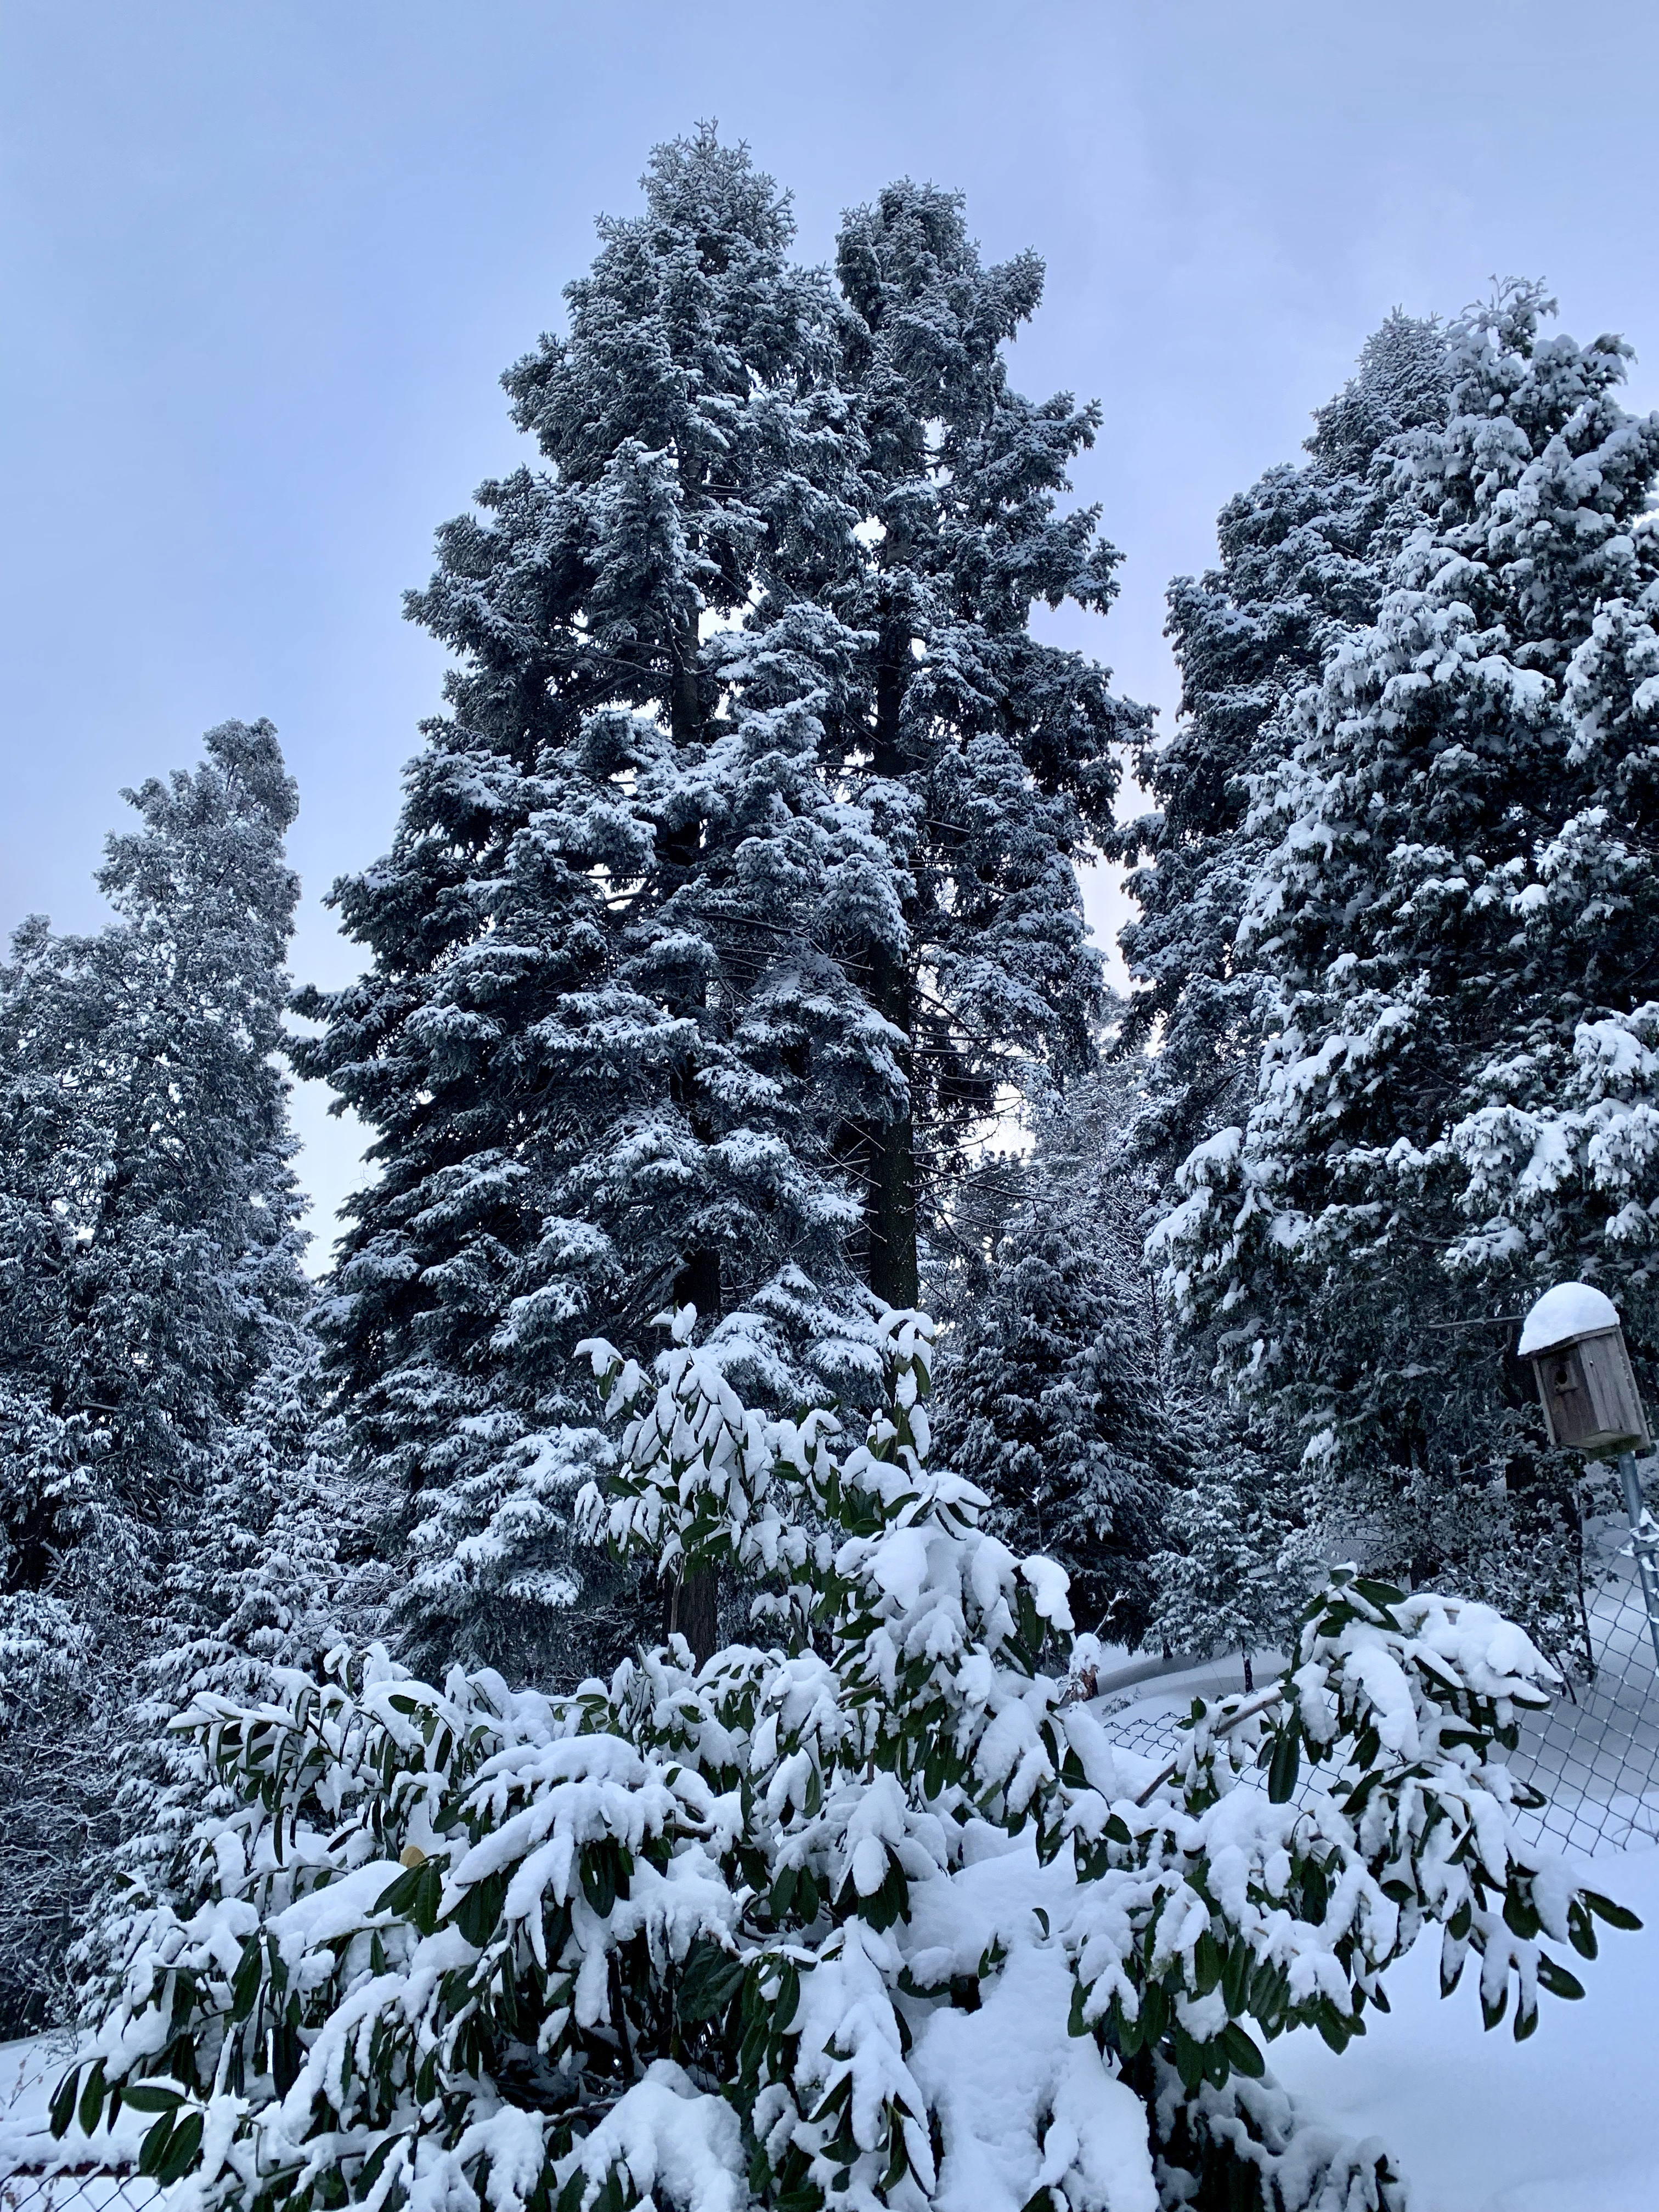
(876, 1916)
(1457, 921)
(273, 1567)
(743, 854)
(149, 1218)
(599, 1039)
(987, 760)
(278, 1530)
(60, 1740)
(149, 1251)
(1234, 1570)
(1055, 1378)
(1303, 558)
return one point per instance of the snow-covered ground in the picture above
(1568, 2122)
(29, 2072)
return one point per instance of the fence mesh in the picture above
(1595, 1754)
(32, 2178)
(88, 2189)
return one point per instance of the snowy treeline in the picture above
(730, 931)
(1421, 1068)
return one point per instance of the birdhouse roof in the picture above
(1563, 1315)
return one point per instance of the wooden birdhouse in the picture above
(1576, 1347)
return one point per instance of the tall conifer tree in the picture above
(598, 995)
(742, 854)
(1457, 921)
(149, 1261)
(1303, 557)
(150, 1213)
(988, 760)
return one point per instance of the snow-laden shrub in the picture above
(874, 1916)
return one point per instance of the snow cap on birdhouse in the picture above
(1576, 1347)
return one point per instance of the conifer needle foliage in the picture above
(1449, 925)
(734, 890)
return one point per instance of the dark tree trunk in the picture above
(889, 1201)
(694, 1608)
(694, 1599)
(888, 1148)
(698, 1284)
(685, 714)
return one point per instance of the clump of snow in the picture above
(1562, 1316)
(670, 2140)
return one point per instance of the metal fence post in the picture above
(1643, 1542)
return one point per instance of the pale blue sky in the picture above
(261, 265)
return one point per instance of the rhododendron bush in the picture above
(871, 1912)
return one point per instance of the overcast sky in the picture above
(263, 263)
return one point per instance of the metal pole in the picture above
(1642, 1545)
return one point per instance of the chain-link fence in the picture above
(1594, 1754)
(87, 2189)
(37, 2175)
